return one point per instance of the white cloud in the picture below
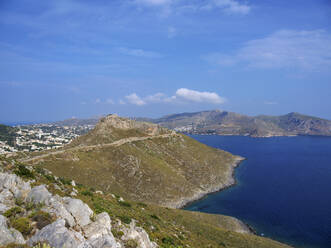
(139, 53)
(182, 95)
(135, 99)
(232, 6)
(154, 2)
(97, 100)
(270, 103)
(283, 49)
(199, 96)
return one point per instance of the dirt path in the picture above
(115, 144)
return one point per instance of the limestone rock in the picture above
(55, 206)
(8, 236)
(58, 236)
(99, 228)
(107, 241)
(139, 235)
(14, 184)
(79, 210)
(39, 194)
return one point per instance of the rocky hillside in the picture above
(142, 162)
(229, 123)
(39, 209)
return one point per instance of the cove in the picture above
(283, 188)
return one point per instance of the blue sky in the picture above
(66, 58)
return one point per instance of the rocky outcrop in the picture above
(9, 235)
(73, 227)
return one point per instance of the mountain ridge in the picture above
(230, 123)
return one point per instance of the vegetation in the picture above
(8, 134)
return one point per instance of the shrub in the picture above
(22, 171)
(65, 181)
(23, 225)
(125, 219)
(125, 204)
(131, 243)
(87, 193)
(13, 212)
(117, 234)
(42, 218)
(155, 217)
(168, 241)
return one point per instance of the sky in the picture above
(148, 58)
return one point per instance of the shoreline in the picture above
(237, 162)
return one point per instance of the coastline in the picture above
(201, 195)
(232, 181)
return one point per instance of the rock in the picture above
(7, 197)
(9, 236)
(4, 208)
(139, 235)
(79, 210)
(55, 206)
(14, 184)
(39, 194)
(58, 236)
(106, 241)
(73, 183)
(101, 227)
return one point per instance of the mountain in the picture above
(229, 123)
(77, 122)
(142, 162)
(126, 176)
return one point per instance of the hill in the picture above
(229, 123)
(142, 162)
(8, 134)
(60, 212)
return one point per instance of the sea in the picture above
(283, 188)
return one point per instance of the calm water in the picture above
(283, 190)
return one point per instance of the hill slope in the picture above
(229, 123)
(8, 134)
(142, 162)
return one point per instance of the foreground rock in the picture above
(73, 227)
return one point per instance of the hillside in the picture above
(142, 162)
(229, 123)
(60, 212)
(8, 134)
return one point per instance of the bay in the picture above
(283, 187)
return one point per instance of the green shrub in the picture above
(22, 171)
(65, 181)
(125, 219)
(87, 193)
(125, 204)
(42, 218)
(168, 241)
(23, 225)
(117, 234)
(13, 212)
(155, 216)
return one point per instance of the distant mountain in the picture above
(78, 122)
(229, 123)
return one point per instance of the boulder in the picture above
(99, 228)
(39, 194)
(9, 235)
(7, 197)
(106, 241)
(4, 208)
(55, 206)
(139, 235)
(15, 184)
(79, 210)
(58, 236)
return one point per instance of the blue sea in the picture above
(283, 187)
